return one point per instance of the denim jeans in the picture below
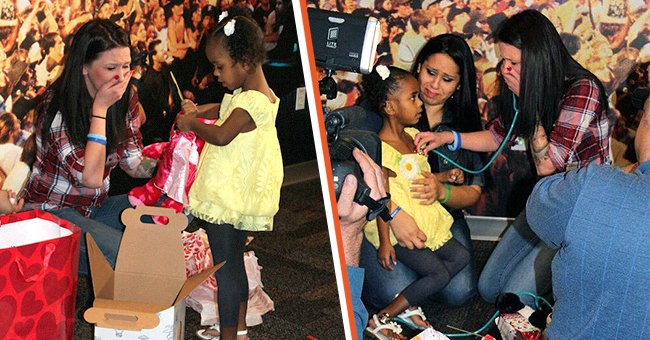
(521, 262)
(381, 286)
(104, 225)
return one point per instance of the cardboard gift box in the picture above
(170, 327)
(430, 334)
(39, 260)
(149, 278)
(515, 326)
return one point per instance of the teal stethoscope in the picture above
(496, 154)
(538, 300)
(487, 324)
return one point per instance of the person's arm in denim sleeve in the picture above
(355, 279)
(551, 204)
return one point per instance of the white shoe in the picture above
(203, 335)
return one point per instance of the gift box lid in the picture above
(149, 275)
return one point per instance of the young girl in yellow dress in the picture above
(393, 92)
(237, 186)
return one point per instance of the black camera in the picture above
(347, 42)
(344, 133)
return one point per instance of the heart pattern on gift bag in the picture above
(60, 258)
(54, 287)
(38, 284)
(18, 282)
(22, 329)
(30, 304)
(48, 328)
(7, 314)
(4, 259)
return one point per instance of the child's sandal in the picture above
(202, 333)
(383, 324)
(405, 317)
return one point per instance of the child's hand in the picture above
(456, 176)
(184, 122)
(8, 204)
(386, 256)
(451, 176)
(189, 107)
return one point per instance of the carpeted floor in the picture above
(470, 317)
(298, 274)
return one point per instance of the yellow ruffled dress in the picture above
(433, 220)
(239, 183)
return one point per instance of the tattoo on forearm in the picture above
(539, 156)
(146, 168)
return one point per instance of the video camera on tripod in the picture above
(339, 46)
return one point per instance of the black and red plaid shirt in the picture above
(580, 135)
(56, 179)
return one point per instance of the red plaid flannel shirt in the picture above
(580, 135)
(55, 182)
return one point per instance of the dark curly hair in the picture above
(376, 90)
(245, 45)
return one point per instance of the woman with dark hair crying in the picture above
(88, 123)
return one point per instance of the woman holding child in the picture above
(88, 123)
(446, 76)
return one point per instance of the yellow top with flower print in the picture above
(239, 183)
(433, 220)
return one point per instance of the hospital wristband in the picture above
(394, 213)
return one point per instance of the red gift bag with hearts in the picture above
(39, 258)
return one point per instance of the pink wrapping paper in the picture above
(203, 299)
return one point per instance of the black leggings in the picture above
(435, 268)
(227, 244)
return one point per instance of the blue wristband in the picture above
(394, 213)
(455, 146)
(97, 140)
(93, 137)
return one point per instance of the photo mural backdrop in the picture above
(609, 37)
(167, 41)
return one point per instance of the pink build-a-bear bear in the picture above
(177, 164)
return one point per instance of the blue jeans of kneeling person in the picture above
(104, 225)
(521, 262)
(381, 286)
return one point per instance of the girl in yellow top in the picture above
(393, 92)
(237, 186)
